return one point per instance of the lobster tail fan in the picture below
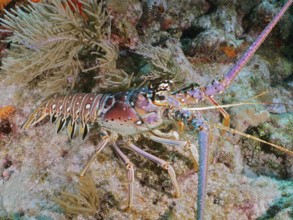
(86, 131)
(38, 115)
(60, 124)
(71, 129)
(53, 118)
(83, 129)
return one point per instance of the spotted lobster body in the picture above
(125, 113)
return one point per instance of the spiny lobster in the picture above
(143, 111)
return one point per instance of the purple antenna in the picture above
(233, 72)
(218, 86)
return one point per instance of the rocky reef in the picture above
(109, 46)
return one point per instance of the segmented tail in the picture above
(71, 110)
(38, 115)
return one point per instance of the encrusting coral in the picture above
(6, 111)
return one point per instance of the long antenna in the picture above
(233, 72)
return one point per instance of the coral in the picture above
(261, 158)
(111, 76)
(284, 204)
(161, 59)
(229, 51)
(85, 202)
(66, 37)
(263, 162)
(3, 3)
(5, 125)
(145, 44)
(6, 111)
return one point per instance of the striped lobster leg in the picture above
(161, 163)
(226, 116)
(185, 144)
(130, 172)
(99, 148)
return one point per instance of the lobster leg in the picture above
(226, 120)
(168, 135)
(100, 147)
(186, 144)
(130, 171)
(160, 162)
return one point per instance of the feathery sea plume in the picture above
(48, 40)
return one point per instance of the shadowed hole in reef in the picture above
(187, 36)
(191, 32)
(287, 45)
(86, 82)
(5, 127)
(129, 61)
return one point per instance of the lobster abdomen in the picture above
(124, 113)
